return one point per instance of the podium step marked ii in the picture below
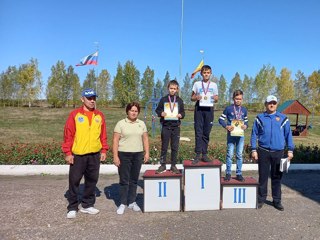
(162, 192)
(202, 185)
(237, 194)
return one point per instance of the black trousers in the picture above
(203, 121)
(88, 166)
(172, 135)
(129, 170)
(269, 162)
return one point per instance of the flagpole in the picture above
(97, 77)
(202, 54)
(181, 35)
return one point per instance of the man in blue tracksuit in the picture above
(272, 131)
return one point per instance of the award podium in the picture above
(162, 192)
(203, 189)
(235, 194)
(202, 185)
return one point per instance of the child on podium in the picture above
(170, 110)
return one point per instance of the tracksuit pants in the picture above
(269, 162)
(203, 121)
(172, 135)
(87, 165)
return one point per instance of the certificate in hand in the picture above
(207, 99)
(171, 114)
(237, 130)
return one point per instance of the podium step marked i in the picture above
(162, 192)
(202, 185)
(237, 194)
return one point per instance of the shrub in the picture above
(50, 153)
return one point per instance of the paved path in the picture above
(34, 207)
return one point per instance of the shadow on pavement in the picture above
(112, 193)
(307, 184)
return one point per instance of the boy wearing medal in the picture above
(171, 110)
(205, 94)
(237, 122)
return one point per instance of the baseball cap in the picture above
(89, 92)
(271, 98)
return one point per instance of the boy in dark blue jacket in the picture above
(171, 110)
(237, 122)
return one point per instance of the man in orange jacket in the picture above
(85, 145)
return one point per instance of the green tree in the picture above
(29, 80)
(56, 87)
(126, 84)
(147, 85)
(104, 87)
(8, 83)
(314, 86)
(285, 86)
(222, 88)
(236, 84)
(264, 84)
(158, 89)
(247, 89)
(118, 91)
(131, 80)
(73, 86)
(166, 80)
(90, 81)
(186, 91)
(302, 89)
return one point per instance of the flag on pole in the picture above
(91, 59)
(198, 69)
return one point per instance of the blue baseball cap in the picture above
(89, 92)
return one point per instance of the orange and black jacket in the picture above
(82, 138)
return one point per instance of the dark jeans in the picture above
(269, 162)
(203, 121)
(88, 166)
(129, 169)
(172, 135)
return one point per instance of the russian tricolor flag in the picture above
(91, 59)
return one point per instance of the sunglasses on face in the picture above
(272, 103)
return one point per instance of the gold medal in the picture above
(205, 98)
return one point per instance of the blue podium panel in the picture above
(162, 192)
(237, 194)
(202, 185)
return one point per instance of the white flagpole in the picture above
(181, 35)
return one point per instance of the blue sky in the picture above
(236, 36)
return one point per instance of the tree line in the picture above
(23, 85)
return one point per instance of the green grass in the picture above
(41, 125)
(34, 136)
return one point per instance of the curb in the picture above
(24, 170)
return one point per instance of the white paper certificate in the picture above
(237, 130)
(207, 99)
(171, 114)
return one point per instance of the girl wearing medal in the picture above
(170, 110)
(236, 116)
(205, 94)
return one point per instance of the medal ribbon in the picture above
(238, 114)
(205, 90)
(172, 105)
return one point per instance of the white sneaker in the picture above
(72, 214)
(120, 209)
(89, 210)
(134, 206)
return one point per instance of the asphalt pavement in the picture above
(34, 207)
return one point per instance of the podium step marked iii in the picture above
(162, 192)
(237, 194)
(202, 185)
